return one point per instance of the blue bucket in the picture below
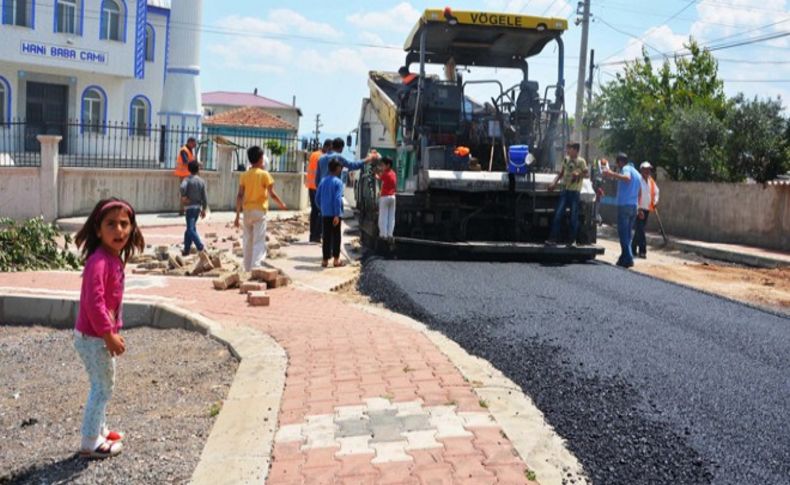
(517, 163)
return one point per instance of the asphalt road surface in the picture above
(648, 381)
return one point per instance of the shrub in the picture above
(33, 245)
(275, 147)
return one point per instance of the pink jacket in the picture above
(101, 296)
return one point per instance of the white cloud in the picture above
(717, 19)
(399, 18)
(343, 60)
(549, 8)
(661, 38)
(253, 54)
(280, 21)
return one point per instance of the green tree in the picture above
(640, 106)
(759, 138)
(697, 136)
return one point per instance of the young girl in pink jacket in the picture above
(108, 238)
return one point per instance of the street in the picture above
(649, 382)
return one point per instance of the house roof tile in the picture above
(249, 116)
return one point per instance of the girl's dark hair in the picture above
(87, 238)
(387, 161)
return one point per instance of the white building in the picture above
(84, 63)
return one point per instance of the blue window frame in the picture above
(69, 16)
(150, 43)
(140, 116)
(94, 110)
(5, 101)
(112, 24)
(19, 12)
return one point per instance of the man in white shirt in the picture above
(648, 200)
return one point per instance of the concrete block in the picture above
(227, 281)
(216, 261)
(251, 286)
(279, 282)
(175, 262)
(258, 298)
(211, 235)
(265, 274)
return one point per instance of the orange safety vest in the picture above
(409, 78)
(652, 184)
(312, 165)
(182, 169)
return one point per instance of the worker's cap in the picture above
(645, 165)
(403, 71)
(621, 157)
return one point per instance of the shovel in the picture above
(661, 227)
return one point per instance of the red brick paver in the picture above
(339, 355)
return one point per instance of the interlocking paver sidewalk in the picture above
(366, 400)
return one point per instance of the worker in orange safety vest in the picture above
(186, 154)
(309, 181)
(648, 199)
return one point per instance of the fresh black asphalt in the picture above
(649, 382)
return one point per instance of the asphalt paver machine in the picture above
(473, 175)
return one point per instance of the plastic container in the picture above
(517, 163)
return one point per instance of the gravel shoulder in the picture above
(767, 288)
(648, 381)
(169, 386)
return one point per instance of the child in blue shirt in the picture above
(329, 197)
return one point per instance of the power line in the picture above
(246, 33)
(598, 18)
(549, 7)
(741, 7)
(710, 48)
(641, 39)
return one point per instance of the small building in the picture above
(218, 102)
(248, 126)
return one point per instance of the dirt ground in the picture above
(769, 288)
(169, 387)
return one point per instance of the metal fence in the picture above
(127, 146)
(12, 146)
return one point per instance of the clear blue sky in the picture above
(273, 45)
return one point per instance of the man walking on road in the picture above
(572, 174)
(255, 187)
(186, 154)
(648, 199)
(315, 212)
(627, 200)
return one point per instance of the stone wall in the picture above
(25, 191)
(751, 214)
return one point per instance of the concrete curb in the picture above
(536, 442)
(238, 449)
(704, 251)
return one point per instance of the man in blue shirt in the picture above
(322, 170)
(628, 186)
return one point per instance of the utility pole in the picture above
(585, 21)
(589, 85)
(317, 131)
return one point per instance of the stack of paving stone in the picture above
(255, 286)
